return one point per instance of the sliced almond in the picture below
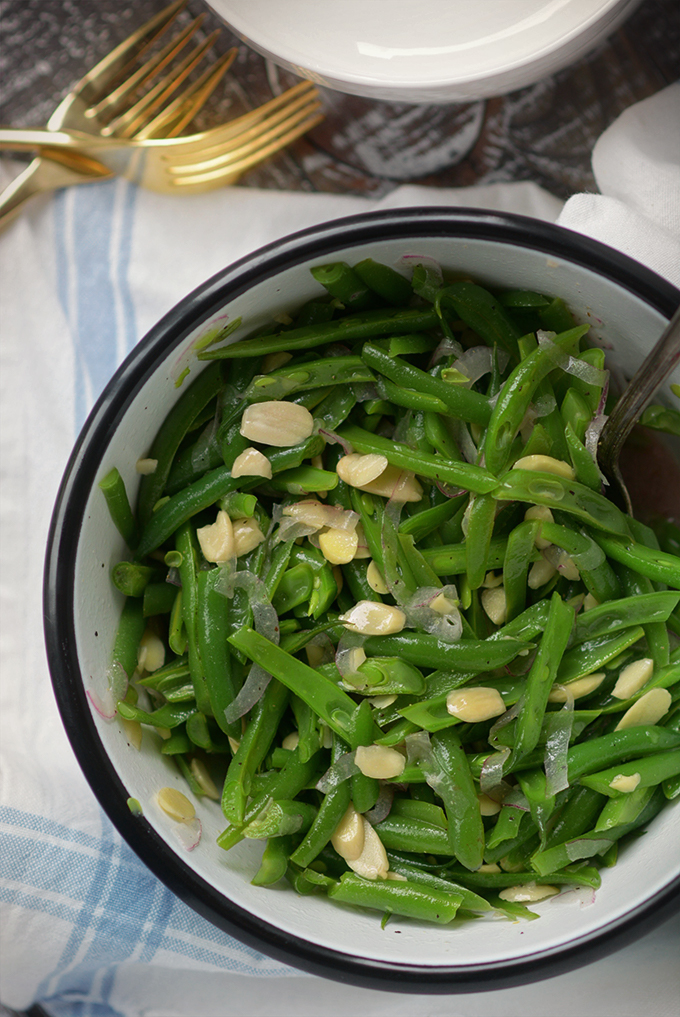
(151, 652)
(546, 464)
(379, 761)
(625, 783)
(247, 535)
(373, 619)
(375, 580)
(348, 836)
(576, 689)
(274, 360)
(529, 893)
(475, 704)
(338, 546)
(146, 466)
(203, 779)
(372, 863)
(356, 469)
(252, 463)
(217, 539)
(495, 604)
(175, 804)
(488, 806)
(540, 573)
(277, 423)
(398, 485)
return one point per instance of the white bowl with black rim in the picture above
(628, 307)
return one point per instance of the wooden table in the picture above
(544, 132)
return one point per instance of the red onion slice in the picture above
(189, 834)
(560, 725)
(383, 805)
(335, 439)
(104, 705)
(250, 693)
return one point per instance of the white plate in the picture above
(426, 51)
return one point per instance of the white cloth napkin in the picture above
(85, 928)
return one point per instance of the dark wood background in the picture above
(544, 132)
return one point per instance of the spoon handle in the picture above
(653, 371)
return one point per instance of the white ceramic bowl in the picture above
(628, 306)
(434, 51)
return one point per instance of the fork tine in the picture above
(253, 140)
(155, 64)
(101, 77)
(233, 170)
(126, 125)
(181, 111)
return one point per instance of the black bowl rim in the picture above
(79, 477)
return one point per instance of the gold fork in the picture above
(196, 162)
(109, 99)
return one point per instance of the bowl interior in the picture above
(119, 433)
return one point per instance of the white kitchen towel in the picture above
(86, 929)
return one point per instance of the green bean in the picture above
(282, 382)
(586, 469)
(212, 611)
(172, 431)
(596, 572)
(409, 398)
(332, 705)
(451, 559)
(425, 650)
(473, 478)
(209, 489)
(412, 900)
(517, 394)
(611, 749)
(365, 789)
(461, 402)
(253, 747)
(343, 283)
(651, 770)
(624, 808)
(383, 280)
(593, 654)
(575, 412)
(131, 578)
(483, 313)
(408, 345)
(331, 811)
(399, 833)
(169, 715)
(656, 565)
(128, 634)
(624, 613)
(335, 407)
(159, 598)
(304, 480)
(349, 329)
(519, 554)
(568, 496)
(274, 861)
(112, 487)
(470, 901)
(478, 539)
(452, 780)
(422, 523)
(542, 676)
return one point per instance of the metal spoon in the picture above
(651, 374)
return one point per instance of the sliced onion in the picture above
(335, 439)
(348, 643)
(292, 529)
(447, 627)
(419, 749)
(365, 392)
(104, 705)
(584, 896)
(201, 449)
(250, 693)
(448, 491)
(491, 781)
(475, 363)
(572, 365)
(189, 834)
(390, 536)
(447, 348)
(464, 440)
(341, 770)
(557, 745)
(383, 805)
(411, 260)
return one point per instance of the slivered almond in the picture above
(291, 741)
(274, 360)
(633, 677)
(217, 539)
(252, 463)
(487, 806)
(356, 469)
(373, 619)
(151, 652)
(546, 464)
(146, 466)
(277, 423)
(475, 704)
(379, 761)
(649, 709)
(204, 780)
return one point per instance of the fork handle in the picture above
(40, 176)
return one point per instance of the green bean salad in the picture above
(379, 607)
